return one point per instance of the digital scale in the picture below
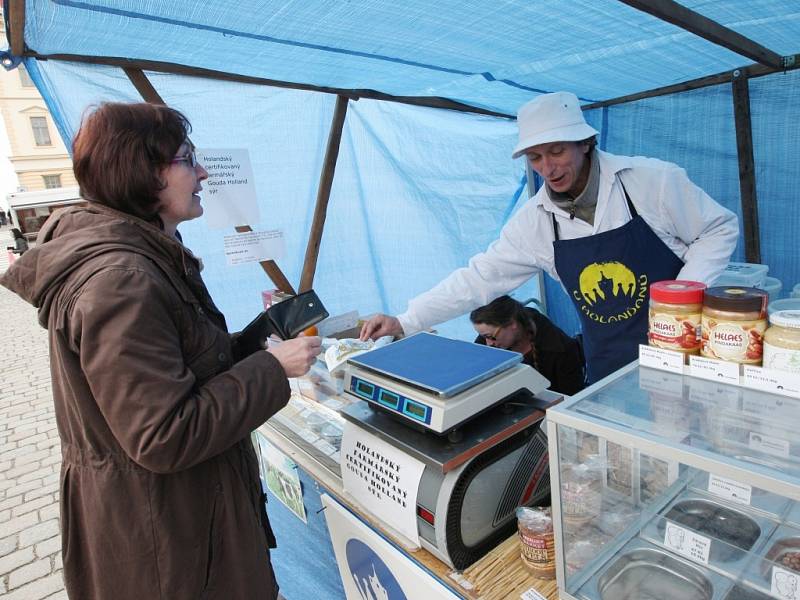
(472, 483)
(437, 383)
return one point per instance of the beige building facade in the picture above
(38, 154)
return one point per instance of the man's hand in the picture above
(296, 356)
(381, 325)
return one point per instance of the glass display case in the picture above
(670, 487)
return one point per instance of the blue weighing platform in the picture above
(437, 364)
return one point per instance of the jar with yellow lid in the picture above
(782, 341)
(733, 324)
(675, 313)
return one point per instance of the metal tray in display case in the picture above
(742, 592)
(735, 532)
(640, 571)
(783, 540)
(793, 514)
(772, 505)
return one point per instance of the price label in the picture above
(658, 358)
(730, 489)
(687, 543)
(769, 380)
(785, 584)
(531, 594)
(715, 370)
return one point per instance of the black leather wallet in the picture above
(285, 319)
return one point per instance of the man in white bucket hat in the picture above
(606, 226)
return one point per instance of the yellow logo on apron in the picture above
(610, 292)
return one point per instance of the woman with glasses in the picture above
(506, 323)
(160, 492)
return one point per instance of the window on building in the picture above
(24, 77)
(52, 181)
(40, 132)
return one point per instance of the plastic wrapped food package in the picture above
(536, 541)
(582, 490)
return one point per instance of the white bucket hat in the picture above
(555, 117)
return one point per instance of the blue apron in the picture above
(608, 277)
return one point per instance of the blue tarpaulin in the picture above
(418, 190)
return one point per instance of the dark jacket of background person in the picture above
(20, 243)
(160, 491)
(559, 356)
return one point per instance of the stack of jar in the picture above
(726, 323)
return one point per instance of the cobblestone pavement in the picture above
(30, 455)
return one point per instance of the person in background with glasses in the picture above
(160, 491)
(506, 323)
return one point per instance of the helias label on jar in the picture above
(785, 584)
(730, 489)
(676, 333)
(687, 543)
(736, 341)
(728, 341)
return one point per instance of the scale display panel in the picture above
(438, 364)
(372, 392)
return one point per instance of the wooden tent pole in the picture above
(323, 194)
(149, 94)
(177, 69)
(747, 177)
(793, 62)
(16, 27)
(708, 29)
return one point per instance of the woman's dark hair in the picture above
(120, 150)
(16, 233)
(503, 311)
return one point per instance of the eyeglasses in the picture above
(190, 159)
(491, 337)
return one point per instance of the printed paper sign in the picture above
(531, 594)
(715, 370)
(254, 246)
(658, 358)
(383, 479)
(687, 543)
(282, 478)
(730, 489)
(785, 584)
(229, 193)
(769, 380)
(370, 567)
(768, 444)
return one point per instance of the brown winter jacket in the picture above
(160, 496)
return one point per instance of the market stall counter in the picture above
(349, 552)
